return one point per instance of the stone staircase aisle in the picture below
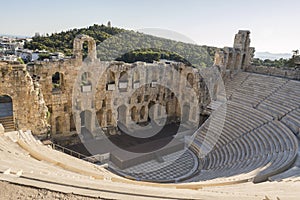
(8, 123)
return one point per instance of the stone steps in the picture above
(8, 123)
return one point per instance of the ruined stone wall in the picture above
(125, 93)
(274, 71)
(58, 97)
(98, 99)
(29, 108)
(238, 58)
(98, 94)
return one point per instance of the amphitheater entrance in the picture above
(58, 125)
(6, 113)
(86, 125)
(151, 111)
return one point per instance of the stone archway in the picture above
(78, 46)
(189, 80)
(134, 114)
(142, 113)
(57, 82)
(59, 125)
(6, 113)
(122, 113)
(6, 106)
(86, 119)
(100, 117)
(151, 111)
(185, 116)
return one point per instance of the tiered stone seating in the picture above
(19, 165)
(283, 101)
(255, 88)
(269, 149)
(292, 120)
(236, 81)
(248, 140)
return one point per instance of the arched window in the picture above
(134, 113)
(57, 81)
(190, 80)
(123, 77)
(111, 80)
(86, 84)
(142, 112)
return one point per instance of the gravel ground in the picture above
(10, 191)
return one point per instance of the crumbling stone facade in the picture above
(88, 93)
(238, 58)
(29, 108)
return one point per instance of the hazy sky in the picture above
(274, 24)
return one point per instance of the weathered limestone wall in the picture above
(77, 95)
(274, 71)
(59, 98)
(238, 58)
(29, 108)
(103, 104)
(125, 93)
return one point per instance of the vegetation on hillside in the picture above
(280, 63)
(128, 46)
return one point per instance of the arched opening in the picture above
(86, 118)
(142, 112)
(151, 110)
(86, 124)
(72, 123)
(85, 50)
(100, 117)
(229, 61)
(190, 80)
(59, 125)
(139, 99)
(136, 80)
(86, 84)
(134, 114)
(123, 77)
(123, 81)
(109, 120)
(111, 80)
(169, 109)
(122, 114)
(57, 82)
(6, 113)
(237, 62)
(243, 61)
(185, 113)
(85, 78)
(111, 77)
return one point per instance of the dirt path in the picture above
(10, 191)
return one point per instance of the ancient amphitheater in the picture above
(239, 139)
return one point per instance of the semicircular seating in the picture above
(251, 144)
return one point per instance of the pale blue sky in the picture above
(275, 24)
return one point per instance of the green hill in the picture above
(128, 46)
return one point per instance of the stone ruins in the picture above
(42, 93)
